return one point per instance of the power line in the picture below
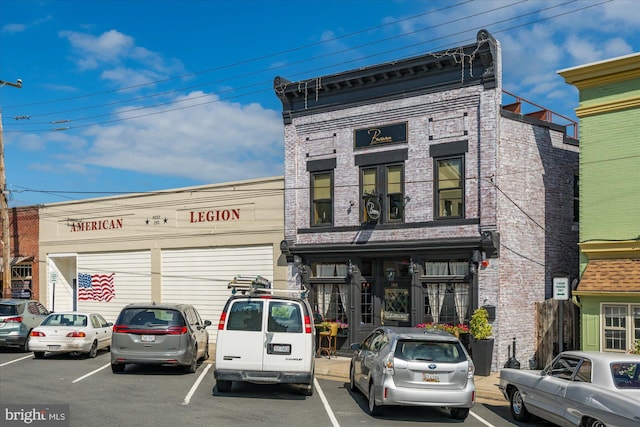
(316, 69)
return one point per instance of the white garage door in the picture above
(108, 281)
(200, 276)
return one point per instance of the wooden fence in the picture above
(547, 341)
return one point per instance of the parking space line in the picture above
(16, 360)
(90, 373)
(189, 395)
(332, 417)
(482, 420)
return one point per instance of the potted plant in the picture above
(481, 343)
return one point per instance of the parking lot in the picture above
(162, 396)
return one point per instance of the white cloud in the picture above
(217, 141)
(122, 61)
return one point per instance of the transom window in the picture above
(322, 198)
(382, 192)
(449, 191)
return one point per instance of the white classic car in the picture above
(578, 388)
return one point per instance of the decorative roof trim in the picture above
(608, 107)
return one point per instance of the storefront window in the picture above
(331, 302)
(446, 302)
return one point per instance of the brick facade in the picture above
(24, 233)
(518, 190)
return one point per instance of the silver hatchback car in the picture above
(413, 367)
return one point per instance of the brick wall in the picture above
(24, 232)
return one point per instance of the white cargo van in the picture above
(265, 336)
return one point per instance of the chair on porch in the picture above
(329, 338)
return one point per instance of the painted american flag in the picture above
(96, 287)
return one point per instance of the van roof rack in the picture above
(257, 285)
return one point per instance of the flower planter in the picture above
(482, 356)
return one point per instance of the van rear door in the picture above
(241, 340)
(288, 346)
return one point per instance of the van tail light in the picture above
(76, 334)
(17, 319)
(121, 329)
(223, 319)
(307, 324)
(176, 330)
(37, 334)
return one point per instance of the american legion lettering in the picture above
(107, 224)
(217, 215)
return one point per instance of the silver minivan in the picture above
(265, 338)
(159, 334)
(413, 367)
(17, 318)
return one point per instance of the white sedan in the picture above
(71, 332)
(578, 388)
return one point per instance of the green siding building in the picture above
(608, 293)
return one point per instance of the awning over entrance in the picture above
(14, 261)
(611, 275)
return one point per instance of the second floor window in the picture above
(382, 191)
(449, 187)
(322, 198)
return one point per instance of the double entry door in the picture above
(380, 299)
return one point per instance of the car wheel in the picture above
(38, 354)
(373, 408)
(93, 351)
(459, 413)
(352, 379)
(594, 423)
(25, 345)
(117, 367)
(518, 410)
(205, 357)
(193, 366)
(223, 386)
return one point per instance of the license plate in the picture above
(279, 349)
(148, 338)
(430, 378)
(53, 347)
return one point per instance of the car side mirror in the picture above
(355, 346)
(207, 323)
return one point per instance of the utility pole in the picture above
(4, 206)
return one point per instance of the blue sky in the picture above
(138, 96)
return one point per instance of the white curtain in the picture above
(457, 268)
(343, 296)
(461, 297)
(324, 296)
(436, 268)
(436, 293)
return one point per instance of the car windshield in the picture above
(626, 375)
(443, 352)
(8, 309)
(151, 317)
(61, 319)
